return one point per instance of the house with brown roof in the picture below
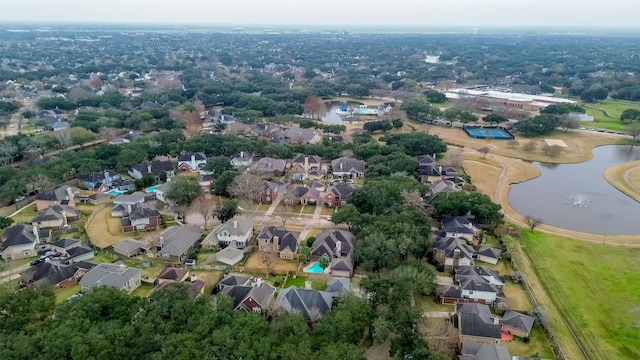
(270, 166)
(54, 274)
(278, 239)
(452, 252)
(254, 297)
(302, 136)
(338, 245)
(173, 274)
(338, 194)
(347, 167)
(300, 194)
(268, 191)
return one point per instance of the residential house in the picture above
(21, 241)
(161, 190)
(242, 161)
(172, 274)
(130, 199)
(100, 181)
(253, 297)
(270, 166)
(116, 275)
(301, 136)
(237, 128)
(226, 119)
(177, 241)
(278, 239)
(517, 324)
(338, 194)
(65, 244)
(130, 247)
(460, 227)
(473, 284)
(191, 162)
(452, 252)
(72, 250)
(346, 167)
(338, 286)
(54, 274)
(476, 323)
(232, 279)
(230, 255)
(307, 167)
(160, 168)
(299, 194)
(234, 233)
(267, 131)
(268, 191)
(61, 195)
(316, 185)
(311, 304)
(427, 169)
(488, 254)
(56, 216)
(338, 245)
(441, 187)
(483, 351)
(205, 182)
(488, 275)
(139, 217)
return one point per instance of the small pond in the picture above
(577, 197)
(332, 116)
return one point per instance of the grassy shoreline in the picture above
(626, 178)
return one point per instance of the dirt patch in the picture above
(255, 265)
(210, 279)
(516, 297)
(105, 230)
(552, 142)
(379, 351)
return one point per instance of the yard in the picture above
(210, 279)
(516, 297)
(105, 230)
(537, 344)
(428, 303)
(596, 287)
(254, 265)
(25, 214)
(299, 281)
(607, 113)
(143, 291)
(64, 294)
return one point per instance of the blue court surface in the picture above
(488, 133)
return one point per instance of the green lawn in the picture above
(427, 303)
(299, 282)
(25, 214)
(595, 286)
(607, 113)
(101, 257)
(64, 294)
(309, 209)
(537, 344)
(143, 291)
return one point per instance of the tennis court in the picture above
(488, 133)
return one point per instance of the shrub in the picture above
(529, 146)
(311, 240)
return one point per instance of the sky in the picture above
(388, 13)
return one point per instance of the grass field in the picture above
(299, 282)
(64, 294)
(607, 113)
(25, 214)
(626, 178)
(596, 287)
(143, 291)
(537, 345)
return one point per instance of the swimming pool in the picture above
(488, 133)
(115, 192)
(315, 268)
(151, 189)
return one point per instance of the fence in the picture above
(93, 213)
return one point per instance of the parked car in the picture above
(20, 198)
(36, 262)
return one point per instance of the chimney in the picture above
(276, 243)
(36, 234)
(149, 168)
(242, 154)
(129, 209)
(340, 166)
(193, 161)
(107, 178)
(235, 223)
(306, 163)
(456, 257)
(496, 321)
(338, 248)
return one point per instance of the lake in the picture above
(332, 117)
(577, 197)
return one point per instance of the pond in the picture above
(577, 197)
(332, 116)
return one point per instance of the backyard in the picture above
(64, 294)
(596, 287)
(25, 214)
(105, 230)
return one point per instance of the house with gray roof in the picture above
(161, 190)
(460, 227)
(270, 166)
(138, 217)
(56, 216)
(79, 254)
(347, 167)
(488, 254)
(22, 240)
(452, 252)
(476, 323)
(130, 247)
(234, 233)
(280, 240)
(483, 351)
(517, 324)
(254, 297)
(311, 304)
(177, 241)
(232, 279)
(115, 275)
(302, 136)
(130, 199)
(338, 286)
(160, 167)
(60, 195)
(191, 161)
(338, 245)
(242, 161)
(54, 274)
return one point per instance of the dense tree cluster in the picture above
(542, 124)
(462, 203)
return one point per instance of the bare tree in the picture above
(484, 151)
(315, 107)
(107, 133)
(453, 157)
(552, 150)
(63, 138)
(529, 146)
(245, 186)
(181, 210)
(513, 144)
(568, 122)
(633, 130)
(347, 153)
(269, 258)
(205, 205)
(412, 198)
(533, 221)
(441, 336)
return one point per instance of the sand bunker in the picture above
(551, 142)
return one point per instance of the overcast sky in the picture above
(487, 13)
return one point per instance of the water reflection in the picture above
(577, 197)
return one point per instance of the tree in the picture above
(204, 205)
(542, 124)
(484, 151)
(533, 221)
(222, 182)
(145, 181)
(324, 262)
(551, 150)
(315, 107)
(269, 258)
(218, 164)
(633, 130)
(417, 143)
(347, 214)
(245, 186)
(494, 118)
(435, 96)
(81, 136)
(629, 116)
(183, 190)
(453, 157)
(227, 211)
(5, 222)
(568, 122)
(304, 254)
(529, 146)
